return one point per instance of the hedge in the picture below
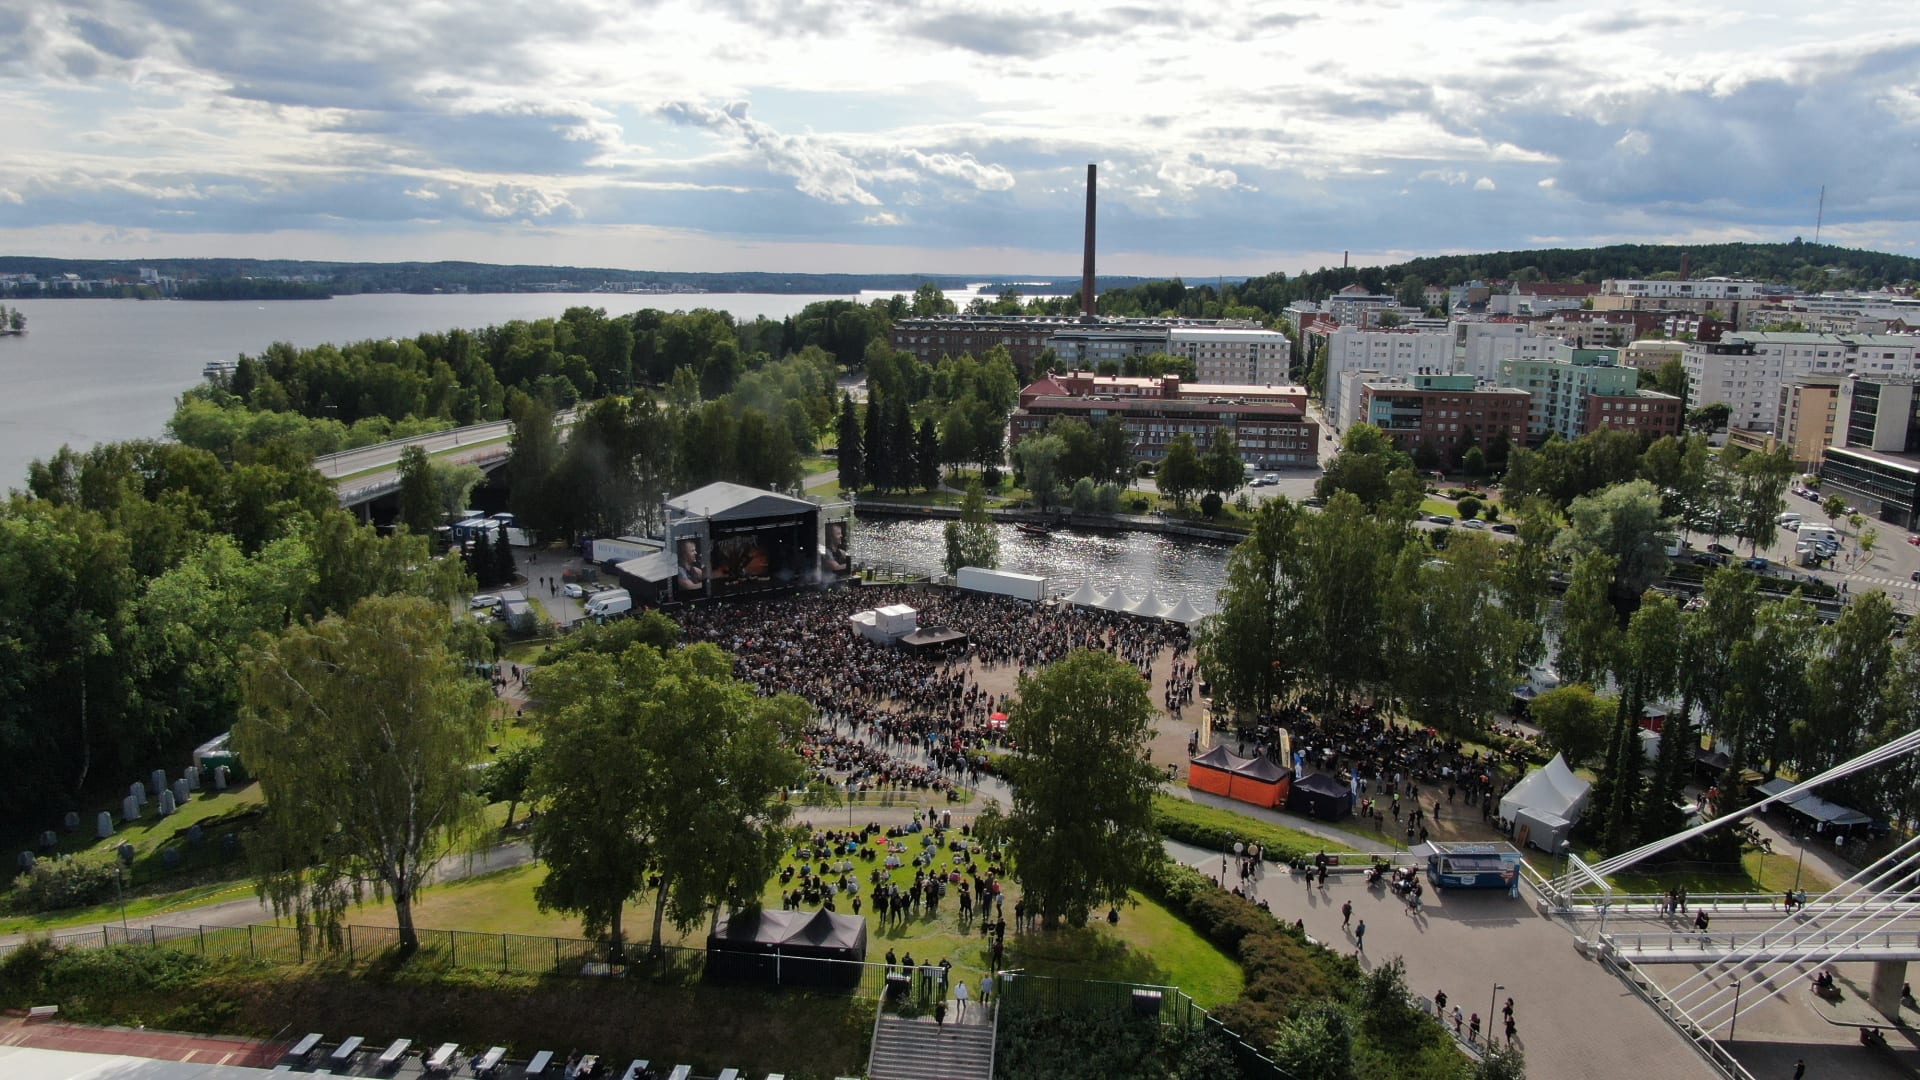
(1202, 826)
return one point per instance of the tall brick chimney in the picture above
(1087, 311)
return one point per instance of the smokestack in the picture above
(1086, 259)
(1346, 259)
(1686, 262)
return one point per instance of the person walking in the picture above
(1473, 1029)
(986, 988)
(1346, 914)
(1360, 937)
(960, 1006)
(1799, 1068)
(1456, 1021)
(1440, 1004)
(1507, 1010)
(1510, 1029)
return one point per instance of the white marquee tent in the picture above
(1551, 790)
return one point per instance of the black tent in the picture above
(1321, 796)
(818, 948)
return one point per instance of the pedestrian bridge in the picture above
(1694, 947)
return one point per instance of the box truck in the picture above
(1002, 583)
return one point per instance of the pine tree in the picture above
(503, 568)
(926, 456)
(879, 467)
(900, 443)
(853, 456)
(480, 560)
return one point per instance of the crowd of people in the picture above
(890, 720)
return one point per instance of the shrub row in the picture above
(63, 883)
(1201, 826)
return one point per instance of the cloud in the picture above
(1485, 183)
(963, 167)
(816, 169)
(884, 217)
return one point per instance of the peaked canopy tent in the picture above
(1117, 600)
(808, 948)
(1148, 606)
(1319, 795)
(1551, 790)
(1184, 612)
(1259, 781)
(1086, 596)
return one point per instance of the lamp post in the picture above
(1491, 998)
(120, 892)
(1739, 979)
(1797, 865)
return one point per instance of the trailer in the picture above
(1002, 583)
(607, 552)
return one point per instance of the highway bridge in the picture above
(364, 474)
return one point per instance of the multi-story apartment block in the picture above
(1586, 392)
(1444, 413)
(1380, 354)
(1746, 370)
(1480, 347)
(1807, 419)
(1874, 462)
(1649, 353)
(1233, 355)
(1074, 340)
(1269, 423)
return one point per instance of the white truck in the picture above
(611, 602)
(1002, 583)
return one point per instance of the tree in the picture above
(926, 456)
(1589, 625)
(509, 779)
(1709, 418)
(536, 452)
(1574, 719)
(1181, 473)
(852, 454)
(1647, 671)
(1835, 507)
(973, 540)
(360, 727)
(1450, 655)
(663, 764)
(1316, 1041)
(1850, 669)
(1345, 552)
(1761, 485)
(881, 469)
(419, 505)
(1470, 507)
(1244, 645)
(1671, 378)
(1623, 522)
(1220, 467)
(1373, 469)
(928, 299)
(1474, 461)
(1038, 457)
(453, 484)
(1081, 831)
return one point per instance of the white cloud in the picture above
(287, 120)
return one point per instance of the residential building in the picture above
(1746, 370)
(1247, 356)
(1269, 423)
(1444, 413)
(1380, 354)
(1650, 353)
(1586, 392)
(1355, 306)
(1588, 329)
(1092, 345)
(1074, 339)
(1540, 298)
(1480, 347)
(1806, 422)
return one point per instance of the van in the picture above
(1789, 521)
(1674, 545)
(611, 602)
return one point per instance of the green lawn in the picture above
(1210, 826)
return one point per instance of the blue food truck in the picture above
(1472, 866)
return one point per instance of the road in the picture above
(386, 455)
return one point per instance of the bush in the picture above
(991, 478)
(1138, 505)
(1084, 496)
(1202, 826)
(1210, 504)
(1109, 498)
(1470, 507)
(69, 882)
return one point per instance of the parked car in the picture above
(1757, 562)
(1262, 481)
(1709, 558)
(573, 589)
(485, 600)
(1473, 523)
(1507, 527)
(1314, 501)
(1441, 519)
(1720, 549)
(1915, 575)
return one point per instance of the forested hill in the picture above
(1810, 266)
(341, 278)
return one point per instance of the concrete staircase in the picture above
(918, 1049)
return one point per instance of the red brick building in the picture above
(1269, 423)
(1443, 413)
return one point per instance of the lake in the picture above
(90, 371)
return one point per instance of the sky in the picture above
(948, 136)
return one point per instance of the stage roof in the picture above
(658, 566)
(737, 502)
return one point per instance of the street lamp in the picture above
(1802, 862)
(1491, 998)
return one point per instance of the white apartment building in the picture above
(1481, 346)
(1715, 288)
(1746, 370)
(1381, 355)
(1243, 357)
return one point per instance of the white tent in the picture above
(1148, 605)
(1117, 600)
(1184, 612)
(1086, 595)
(1551, 790)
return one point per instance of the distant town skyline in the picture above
(948, 137)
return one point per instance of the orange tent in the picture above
(1249, 780)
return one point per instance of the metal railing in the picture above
(1878, 942)
(1709, 1048)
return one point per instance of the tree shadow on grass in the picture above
(1083, 953)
